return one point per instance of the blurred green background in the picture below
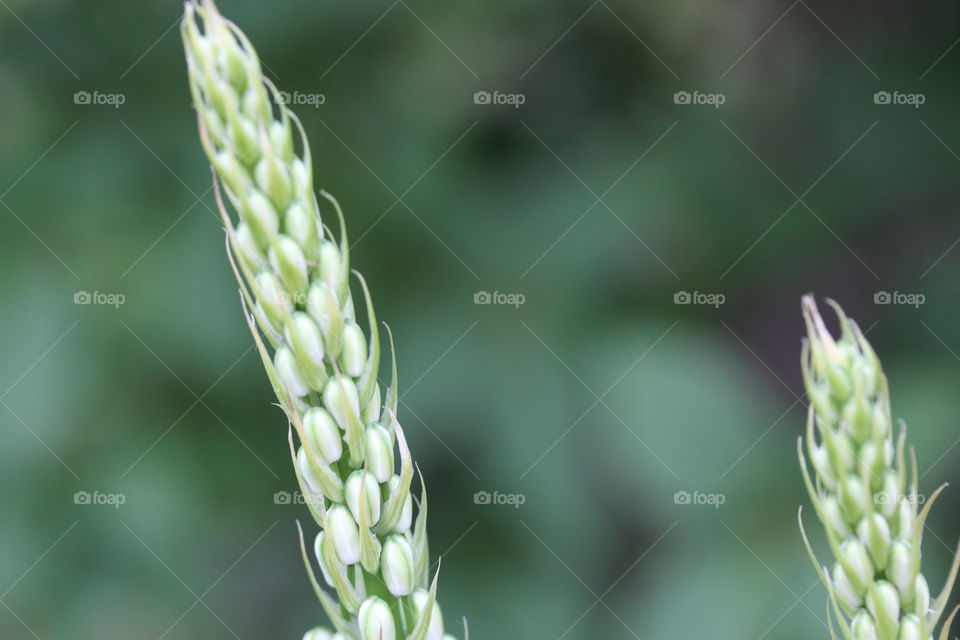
(600, 199)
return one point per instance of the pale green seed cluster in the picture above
(294, 276)
(873, 520)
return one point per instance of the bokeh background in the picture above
(600, 199)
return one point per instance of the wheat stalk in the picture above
(860, 491)
(294, 280)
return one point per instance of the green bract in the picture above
(860, 491)
(294, 278)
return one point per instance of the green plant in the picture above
(872, 516)
(294, 281)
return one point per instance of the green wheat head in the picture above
(294, 278)
(860, 491)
